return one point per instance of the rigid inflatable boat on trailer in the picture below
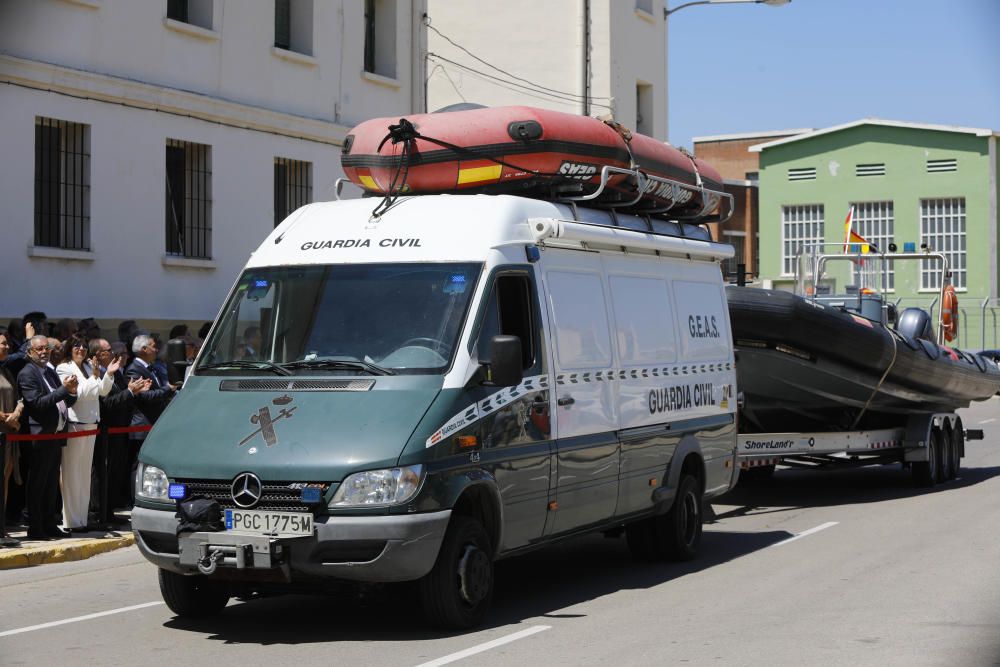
(534, 153)
(839, 355)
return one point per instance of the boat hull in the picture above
(804, 366)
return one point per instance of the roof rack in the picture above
(712, 198)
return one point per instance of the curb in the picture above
(61, 553)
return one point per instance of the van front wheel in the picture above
(192, 597)
(457, 592)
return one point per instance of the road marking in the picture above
(479, 648)
(804, 533)
(42, 626)
(987, 421)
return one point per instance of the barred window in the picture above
(800, 225)
(292, 186)
(189, 199)
(730, 267)
(942, 229)
(62, 184)
(874, 221)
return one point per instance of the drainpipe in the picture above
(585, 34)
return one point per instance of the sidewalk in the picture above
(77, 547)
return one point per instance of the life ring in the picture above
(949, 313)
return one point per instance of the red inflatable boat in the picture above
(529, 151)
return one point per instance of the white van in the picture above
(462, 379)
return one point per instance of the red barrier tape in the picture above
(22, 437)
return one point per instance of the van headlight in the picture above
(152, 483)
(379, 487)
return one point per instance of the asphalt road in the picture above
(879, 573)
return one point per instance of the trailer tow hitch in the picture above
(973, 434)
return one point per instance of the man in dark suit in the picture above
(111, 456)
(151, 403)
(46, 402)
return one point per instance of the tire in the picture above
(925, 473)
(675, 535)
(947, 459)
(456, 594)
(193, 596)
(956, 452)
(942, 454)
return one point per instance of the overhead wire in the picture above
(511, 85)
(538, 87)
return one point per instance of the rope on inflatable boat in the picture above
(892, 362)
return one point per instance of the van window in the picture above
(509, 312)
(580, 320)
(404, 317)
(644, 325)
(701, 315)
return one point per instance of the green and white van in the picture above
(461, 379)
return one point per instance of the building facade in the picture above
(910, 185)
(731, 155)
(590, 57)
(150, 146)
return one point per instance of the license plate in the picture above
(284, 524)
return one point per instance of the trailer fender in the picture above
(918, 433)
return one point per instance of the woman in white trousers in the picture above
(78, 454)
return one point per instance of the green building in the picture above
(911, 185)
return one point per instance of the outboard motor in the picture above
(915, 323)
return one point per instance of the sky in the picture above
(818, 63)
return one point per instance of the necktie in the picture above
(52, 380)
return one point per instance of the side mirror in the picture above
(176, 359)
(505, 361)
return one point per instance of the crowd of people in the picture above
(85, 402)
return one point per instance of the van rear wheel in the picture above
(193, 596)
(456, 594)
(675, 535)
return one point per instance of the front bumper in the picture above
(358, 548)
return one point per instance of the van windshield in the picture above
(360, 319)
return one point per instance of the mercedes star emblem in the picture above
(246, 489)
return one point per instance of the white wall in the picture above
(543, 42)
(135, 82)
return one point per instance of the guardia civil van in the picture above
(460, 379)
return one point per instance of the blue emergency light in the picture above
(177, 491)
(311, 494)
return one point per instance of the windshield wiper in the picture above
(342, 364)
(244, 363)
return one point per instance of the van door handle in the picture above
(566, 400)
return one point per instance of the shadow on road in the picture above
(828, 488)
(539, 584)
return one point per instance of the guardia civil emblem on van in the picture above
(265, 422)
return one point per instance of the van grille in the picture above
(276, 496)
(296, 385)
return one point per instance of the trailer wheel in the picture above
(675, 535)
(192, 596)
(947, 457)
(457, 592)
(942, 453)
(956, 452)
(925, 473)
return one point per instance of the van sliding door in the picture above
(586, 488)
